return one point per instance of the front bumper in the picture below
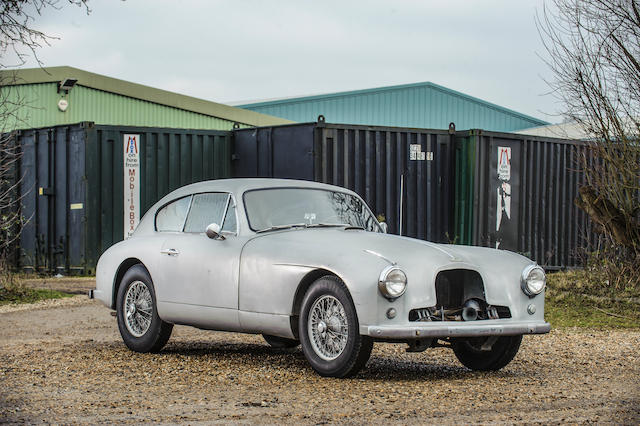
(441, 329)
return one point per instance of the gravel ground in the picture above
(64, 362)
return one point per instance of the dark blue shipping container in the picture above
(404, 175)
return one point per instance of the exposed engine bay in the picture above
(459, 297)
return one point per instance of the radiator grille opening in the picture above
(459, 297)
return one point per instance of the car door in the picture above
(201, 273)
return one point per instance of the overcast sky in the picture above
(235, 50)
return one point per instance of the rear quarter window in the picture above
(171, 217)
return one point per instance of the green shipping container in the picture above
(74, 193)
(517, 192)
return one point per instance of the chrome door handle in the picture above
(170, 252)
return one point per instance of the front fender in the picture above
(271, 273)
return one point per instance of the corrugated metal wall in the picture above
(539, 188)
(422, 105)
(375, 162)
(79, 212)
(87, 104)
(459, 196)
(473, 187)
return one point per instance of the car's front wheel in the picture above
(475, 354)
(329, 331)
(141, 328)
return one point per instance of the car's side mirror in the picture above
(383, 225)
(213, 232)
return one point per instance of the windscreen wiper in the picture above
(334, 225)
(309, 225)
(279, 227)
(326, 225)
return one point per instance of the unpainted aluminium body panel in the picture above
(273, 263)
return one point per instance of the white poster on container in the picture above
(504, 163)
(131, 183)
(503, 206)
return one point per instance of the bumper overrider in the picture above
(444, 329)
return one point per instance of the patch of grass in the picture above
(570, 303)
(578, 311)
(596, 282)
(21, 294)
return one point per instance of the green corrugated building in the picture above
(53, 96)
(420, 105)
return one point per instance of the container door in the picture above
(53, 199)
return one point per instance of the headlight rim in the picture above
(524, 285)
(382, 279)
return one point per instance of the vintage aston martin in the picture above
(308, 263)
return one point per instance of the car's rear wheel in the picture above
(329, 330)
(471, 354)
(280, 342)
(141, 328)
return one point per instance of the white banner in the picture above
(131, 183)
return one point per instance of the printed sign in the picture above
(131, 183)
(503, 206)
(415, 152)
(504, 163)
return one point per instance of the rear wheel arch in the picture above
(122, 269)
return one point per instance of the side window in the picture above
(171, 217)
(206, 209)
(230, 219)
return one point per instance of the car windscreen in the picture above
(279, 207)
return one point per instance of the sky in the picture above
(231, 51)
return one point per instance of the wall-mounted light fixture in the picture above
(67, 84)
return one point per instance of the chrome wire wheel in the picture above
(138, 309)
(328, 327)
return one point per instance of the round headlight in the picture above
(533, 280)
(392, 282)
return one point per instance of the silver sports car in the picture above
(307, 263)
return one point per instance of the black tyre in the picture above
(329, 330)
(469, 352)
(140, 326)
(280, 342)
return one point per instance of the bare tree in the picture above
(20, 40)
(18, 35)
(593, 51)
(11, 219)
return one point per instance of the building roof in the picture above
(424, 105)
(569, 130)
(138, 91)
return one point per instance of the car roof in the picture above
(238, 186)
